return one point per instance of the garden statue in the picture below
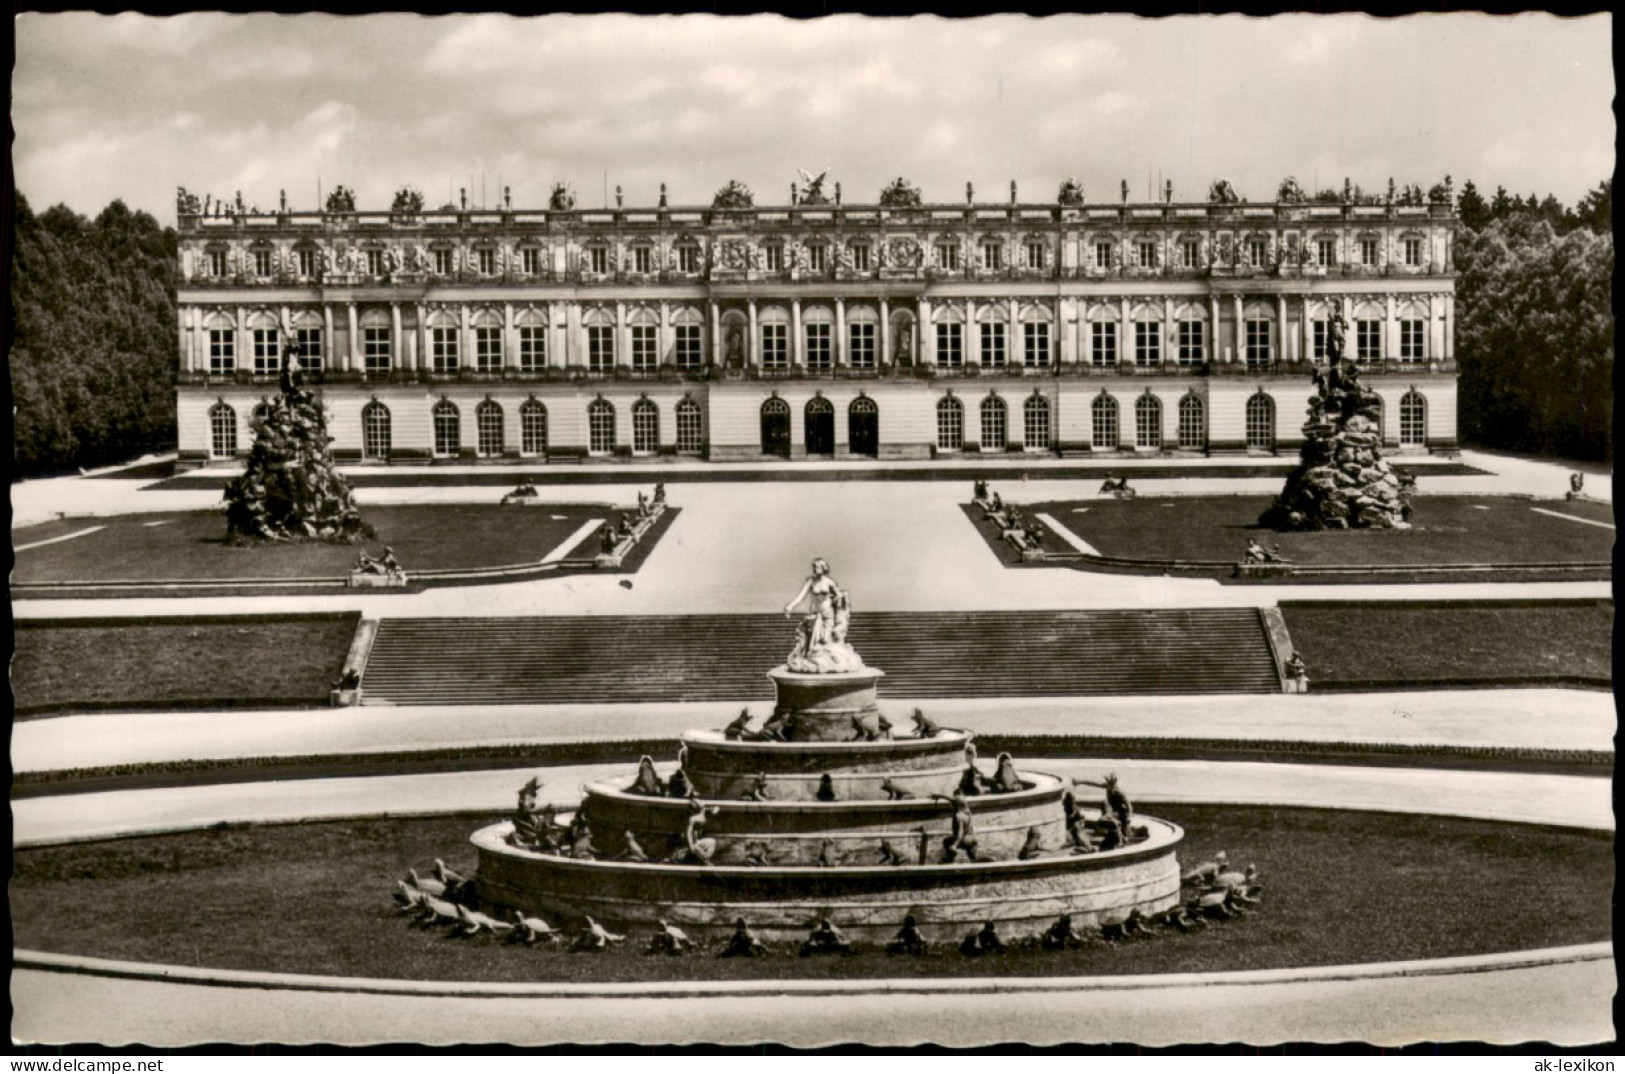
(821, 639)
(743, 943)
(908, 940)
(825, 939)
(647, 782)
(1577, 484)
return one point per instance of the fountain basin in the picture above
(718, 767)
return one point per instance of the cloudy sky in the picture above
(129, 106)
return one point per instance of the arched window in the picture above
(995, 424)
(1413, 419)
(222, 431)
(690, 427)
(376, 431)
(645, 427)
(532, 428)
(600, 427)
(1148, 422)
(488, 423)
(863, 427)
(1192, 424)
(1261, 422)
(1104, 434)
(645, 333)
(448, 428)
(776, 427)
(774, 326)
(1036, 424)
(689, 340)
(950, 424)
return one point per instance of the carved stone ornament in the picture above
(733, 255)
(903, 252)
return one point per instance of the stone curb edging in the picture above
(78, 964)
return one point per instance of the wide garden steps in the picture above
(573, 659)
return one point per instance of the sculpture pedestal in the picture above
(822, 707)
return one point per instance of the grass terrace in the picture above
(1339, 887)
(191, 545)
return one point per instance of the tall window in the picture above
(1258, 252)
(375, 349)
(532, 348)
(214, 263)
(222, 431)
(1413, 420)
(1103, 255)
(443, 350)
(773, 257)
(1145, 254)
(266, 357)
(690, 355)
(995, 424)
(1037, 255)
(993, 344)
(642, 259)
(645, 427)
(486, 260)
(444, 262)
(1192, 424)
(688, 257)
(1192, 342)
(1367, 340)
(488, 425)
(310, 348)
(1190, 254)
(1412, 347)
(600, 427)
(1148, 422)
(1036, 411)
(448, 428)
(1147, 343)
(600, 348)
(1368, 252)
(992, 256)
(775, 346)
(645, 350)
(1317, 340)
(859, 252)
(950, 424)
(817, 257)
(488, 349)
(950, 345)
(690, 428)
(861, 349)
(1326, 252)
(1104, 351)
(1261, 422)
(305, 260)
(376, 431)
(1258, 342)
(598, 259)
(532, 428)
(1035, 344)
(820, 352)
(262, 263)
(948, 256)
(375, 262)
(1103, 432)
(1413, 252)
(222, 350)
(530, 261)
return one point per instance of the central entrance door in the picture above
(776, 428)
(863, 427)
(820, 421)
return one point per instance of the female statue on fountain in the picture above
(821, 639)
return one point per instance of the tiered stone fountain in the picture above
(821, 813)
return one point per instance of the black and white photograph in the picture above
(632, 531)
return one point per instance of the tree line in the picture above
(93, 347)
(93, 351)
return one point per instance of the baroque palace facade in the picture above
(816, 329)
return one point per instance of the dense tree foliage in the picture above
(93, 348)
(1535, 328)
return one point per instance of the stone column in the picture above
(798, 344)
(397, 343)
(1170, 334)
(973, 335)
(1241, 333)
(353, 345)
(1086, 336)
(1016, 347)
(753, 341)
(1448, 351)
(717, 356)
(885, 332)
(183, 340)
(838, 353)
(926, 344)
(1390, 328)
(664, 343)
(623, 342)
(1125, 332)
(465, 338)
(425, 351)
(1215, 352)
(510, 346)
(1280, 331)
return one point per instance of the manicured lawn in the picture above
(1446, 529)
(314, 898)
(1404, 644)
(138, 664)
(191, 545)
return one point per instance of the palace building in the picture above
(816, 329)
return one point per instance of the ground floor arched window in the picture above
(1148, 422)
(645, 427)
(690, 427)
(448, 428)
(1104, 430)
(600, 427)
(950, 424)
(1261, 422)
(376, 431)
(1413, 420)
(488, 423)
(1192, 424)
(1036, 423)
(995, 424)
(222, 431)
(532, 428)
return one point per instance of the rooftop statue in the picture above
(821, 639)
(813, 192)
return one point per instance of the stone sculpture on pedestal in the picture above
(1341, 480)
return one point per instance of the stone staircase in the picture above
(725, 658)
